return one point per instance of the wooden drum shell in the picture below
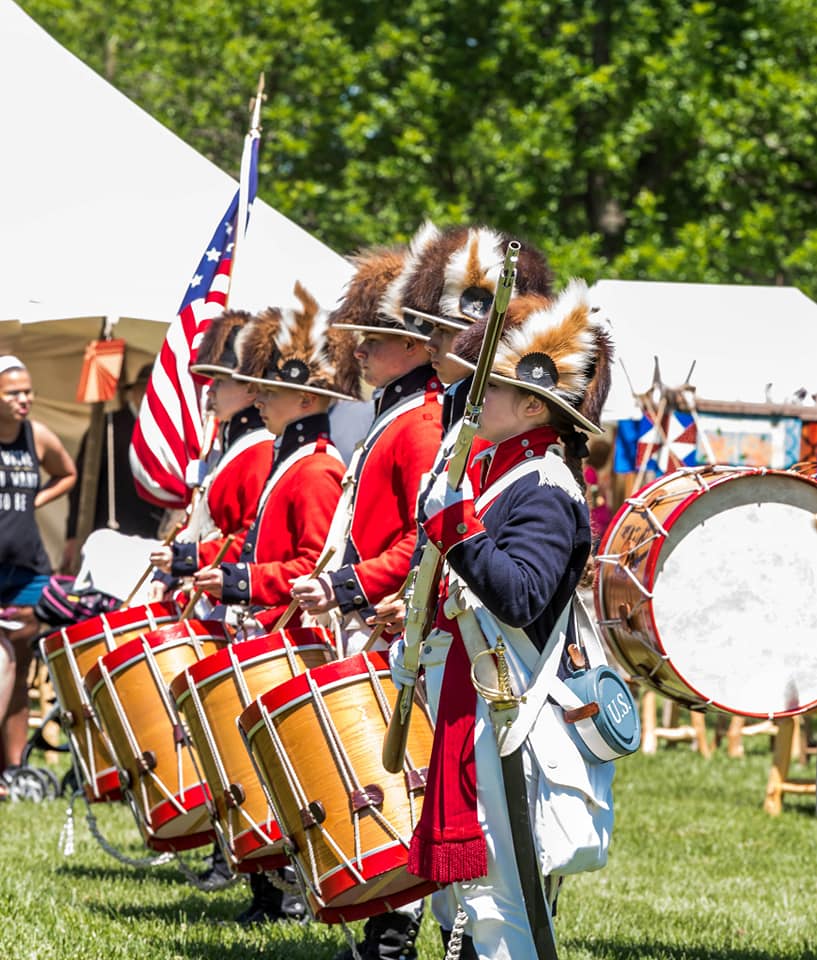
(70, 653)
(322, 828)
(136, 711)
(210, 695)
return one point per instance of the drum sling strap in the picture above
(513, 771)
(339, 537)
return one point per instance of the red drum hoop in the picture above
(210, 695)
(69, 653)
(316, 741)
(808, 468)
(705, 589)
(128, 688)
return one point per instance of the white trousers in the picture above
(494, 905)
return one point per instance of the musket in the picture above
(422, 587)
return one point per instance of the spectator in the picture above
(26, 447)
(597, 478)
(126, 512)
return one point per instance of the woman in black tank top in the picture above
(26, 447)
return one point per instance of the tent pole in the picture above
(91, 465)
(89, 487)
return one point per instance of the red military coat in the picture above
(231, 499)
(398, 450)
(293, 520)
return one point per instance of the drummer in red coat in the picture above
(297, 368)
(374, 527)
(241, 462)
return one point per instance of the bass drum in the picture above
(70, 653)
(706, 589)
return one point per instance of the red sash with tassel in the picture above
(448, 844)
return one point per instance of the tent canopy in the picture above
(742, 339)
(105, 215)
(106, 212)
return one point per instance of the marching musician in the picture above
(515, 545)
(374, 527)
(296, 369)
(240, 465)
(229, 486)
(450, 287)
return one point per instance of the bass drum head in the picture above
(733, 595)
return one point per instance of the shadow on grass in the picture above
(272, 941)
(194, 908)
(653, 950)
(165, 875)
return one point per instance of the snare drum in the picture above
(69, 653)
(210, 695)
(129, 691)
(706, 589)
(317, 742)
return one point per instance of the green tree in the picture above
(652, 139)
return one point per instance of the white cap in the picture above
(9, 362)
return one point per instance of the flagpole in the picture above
(253, 134)
(169, 430)
(239, 226)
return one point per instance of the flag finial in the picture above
(255, 106)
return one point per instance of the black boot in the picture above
(217, 875)
(265, 905)
(467, 951)
(292, 904)
(388, 936)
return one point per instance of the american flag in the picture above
(169, 429)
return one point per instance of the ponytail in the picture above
(574, 443)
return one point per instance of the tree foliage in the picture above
(652, 139)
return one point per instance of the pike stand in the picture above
(788, 741)
(694, 732)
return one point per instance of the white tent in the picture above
(741, 339)
(105, 214)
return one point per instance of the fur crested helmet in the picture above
(296, 349)
(360, 310)
(560, 349)
(217, 352)
(454, 275)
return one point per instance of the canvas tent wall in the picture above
(750, 345)
(105, 215)
(740, 337)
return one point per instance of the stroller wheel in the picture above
(28, 783)
(52, 783)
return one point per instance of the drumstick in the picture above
(165, 543)
(380, 627)
(216, 561)
(286, 616)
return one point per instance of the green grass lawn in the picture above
(697, 871)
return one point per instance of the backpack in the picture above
(60, 605)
